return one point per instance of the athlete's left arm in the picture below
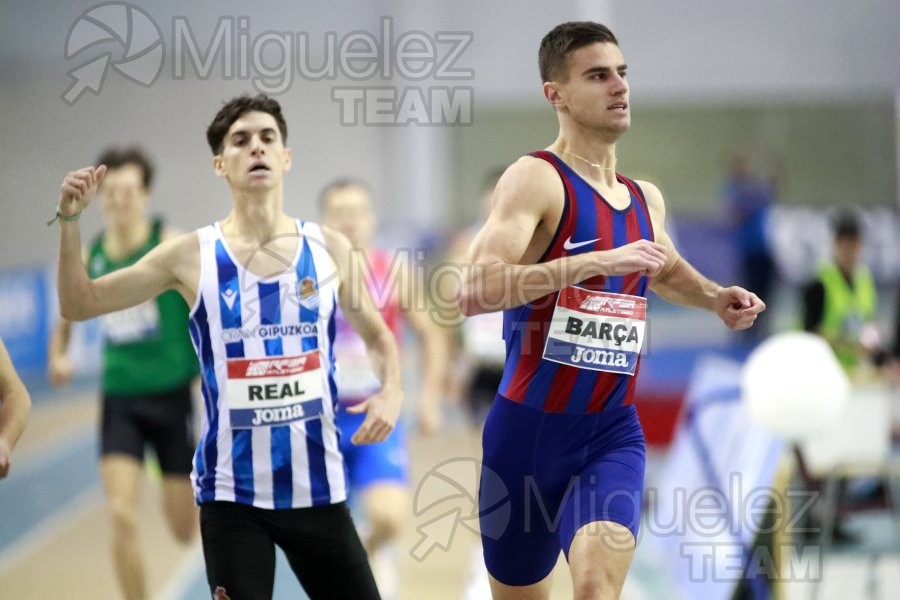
(383, 408)
(416, 306)
(679, 282)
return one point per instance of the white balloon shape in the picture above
(793, 385)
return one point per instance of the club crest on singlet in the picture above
(600, 331)
(308, 293)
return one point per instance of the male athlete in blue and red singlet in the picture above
(569, 251)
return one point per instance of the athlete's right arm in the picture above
(501, 274)
(80, 297)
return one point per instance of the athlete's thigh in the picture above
(387, 500)
(600, 518)
(608, 489)
(169, 430)
(179, 507)
(517, 513)
(535, 591)
(325, 552)
(121, 475)
(120, 428)
(238, 549)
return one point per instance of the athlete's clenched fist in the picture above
(77, 188)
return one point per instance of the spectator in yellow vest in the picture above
(839, 304)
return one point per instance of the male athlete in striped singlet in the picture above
(568, 251)
(262, 288)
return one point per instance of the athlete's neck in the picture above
(125, 239)
(257, 216)
(587, 154)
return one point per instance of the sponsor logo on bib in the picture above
(600, 331)
(274, 390)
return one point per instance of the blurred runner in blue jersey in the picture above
(379, 473)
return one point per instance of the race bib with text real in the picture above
(600, 331)
(274, 390)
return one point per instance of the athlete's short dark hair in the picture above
(116, 158)
(234, 109)
(553, 57)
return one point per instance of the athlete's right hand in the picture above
(643, 256)
(77, 188)
(382, 411)
(59, 371)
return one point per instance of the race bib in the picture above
(597, 330)
(264, 392)
(131, 325)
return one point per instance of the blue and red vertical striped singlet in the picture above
(528, 377)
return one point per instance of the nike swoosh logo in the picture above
(569, 245)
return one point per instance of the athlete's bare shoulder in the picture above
(181, 245)
(530, 184)
(525, 210)
(180, 255)
(652, 195)
(657, 208)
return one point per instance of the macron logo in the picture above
(570, 245)
(229, 296)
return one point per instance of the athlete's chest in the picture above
(267, 260)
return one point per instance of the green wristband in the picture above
(61, 217)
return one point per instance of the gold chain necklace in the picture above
(593, 164)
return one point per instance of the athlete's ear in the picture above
(218, 165)
(288, 159)
(553, 94)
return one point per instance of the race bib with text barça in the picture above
(600, 331)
